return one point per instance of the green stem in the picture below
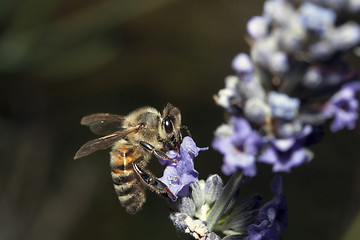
(223, 201)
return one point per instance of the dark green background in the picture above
(60, 60)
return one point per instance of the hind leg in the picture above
(153, 183)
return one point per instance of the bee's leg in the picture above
(153, 182)
(157, 152)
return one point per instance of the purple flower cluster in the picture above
(178, 176)
(293, 82)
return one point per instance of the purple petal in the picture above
(269, 156)
(188, 146)
(290, 160)
(242, 128)
(285, 154)
(178, 176)
(172, 179)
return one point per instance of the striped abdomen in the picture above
(128, 186)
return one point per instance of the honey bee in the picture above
(134, 139)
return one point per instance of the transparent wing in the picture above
(103, 123)
(104, 142)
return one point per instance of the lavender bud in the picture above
(229, 94)
(288, 129)
(321, 50)
(257, 27)
(197, 193)
(251, 89)
(278, 62)
(213, 188)
(282, 106)
(317, 18)
(187, 206)
(313, 78)
(346, 36)
(292, 37)
(278, 10)
(224, 130)
(242, 64)
(353, 5)
(256, 110)
(263, 50)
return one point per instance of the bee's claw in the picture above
(172, 196)
(173, 160)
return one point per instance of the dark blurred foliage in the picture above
(60, 60)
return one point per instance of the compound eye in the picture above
(168, 125)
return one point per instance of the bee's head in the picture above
(170, 127)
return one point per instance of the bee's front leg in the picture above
(157, 152)
(153, 182)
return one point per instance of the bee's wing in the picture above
(104, 142)
(103, 123)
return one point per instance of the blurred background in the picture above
(62, 59)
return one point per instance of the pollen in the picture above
(173, 180)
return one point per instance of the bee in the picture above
(134, 139)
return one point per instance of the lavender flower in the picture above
(343, 107)
(284, 154)
(278, 101)
(239, 144)
(293, 81)
(178, 176)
